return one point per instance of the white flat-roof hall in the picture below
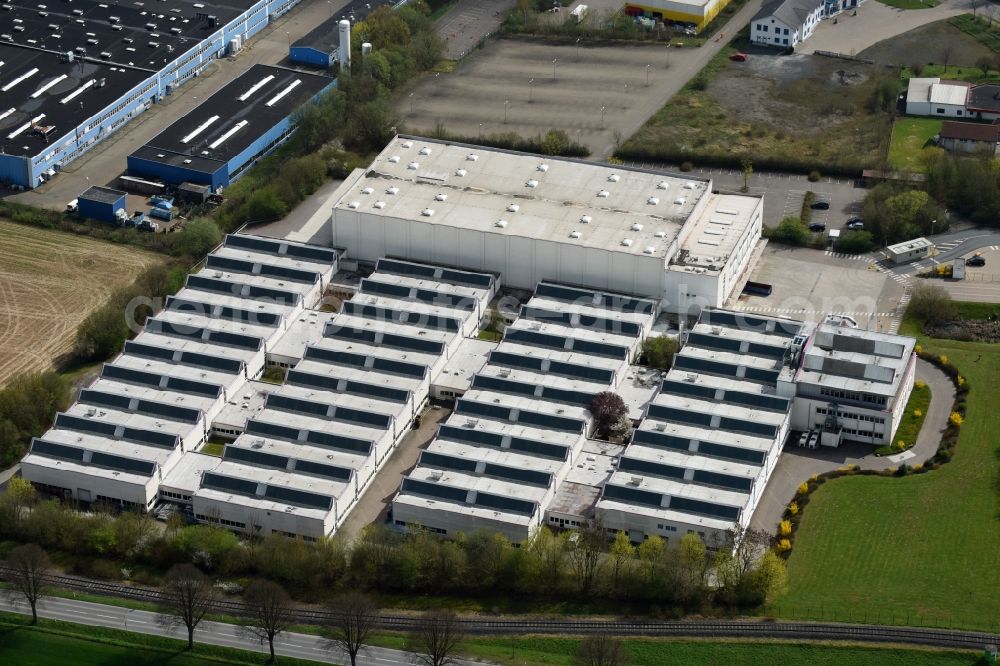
(533, 219)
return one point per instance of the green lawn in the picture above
(54, 643)
(956, 73)
(910, 140)
(213, 448)
(910, 424)
(558, 651)
(922, 549)
(983, 30)
(910, 4)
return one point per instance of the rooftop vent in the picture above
(392, 190)
(500, 223)
(662, 185)
(354, 204)
(413, 166)
(440, 197)
(660, 234)
(680, 201)
(394, 159)
(427, 212)
(652, 201)
(513, 208)
(407, 144)
(531, 183)
(614, 178)
(649, 249)
(574, 234)
(603, 194)
(379, 205)
(636, 226)
(472, 157)
(542, 167)
(689, 185)
(368, 190)
(425, 151)
(461, 173)
(586, 219)
(627, 242)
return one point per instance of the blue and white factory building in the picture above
(72, 74)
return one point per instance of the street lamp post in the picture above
(480, 130)
(531, 90)
(554, 61)
(578, 49)
(603, 109)
(411, 103)
(506, 103)
(647, 76)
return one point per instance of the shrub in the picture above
(855, 242)
(791, 231)
(784, 545)
(785, 527)
(918, 413)
(793, 508)
(803, 488)
(658, 351)
(956, 419)
(686, 166)
(608, 409)
(814, 176)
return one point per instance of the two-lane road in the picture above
(301, 646)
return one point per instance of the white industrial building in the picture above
(501, 459)
(155, 403)
(531, 219)
(305, 457)
(703, 454)
(851, 384)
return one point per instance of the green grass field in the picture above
(910, 424)
(920, 549)
(910, 4)
(910, 142)
(975, 26)
(54, 643)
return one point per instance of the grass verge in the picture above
(53, 642)
(921, 549)
(910, 424)
(910, 4)
(987, 34)
(911, 137)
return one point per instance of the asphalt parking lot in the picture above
(981, 285)
(809, 284)
(469, 22)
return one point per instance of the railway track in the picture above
(721, 628)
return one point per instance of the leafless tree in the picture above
(269, 610)
(946, 52)
(435, 639)
(974, 5)
(186, 598)
(353, 619)
(29, 568)
(601, 650)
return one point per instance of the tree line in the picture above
(671, 577)
(188, 597)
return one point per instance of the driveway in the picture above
(469, 22)
(797, 465)
(375, 501)
(875, 22)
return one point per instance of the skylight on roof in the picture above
(255, 87)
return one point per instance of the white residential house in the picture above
(934, 97)
(785, 23)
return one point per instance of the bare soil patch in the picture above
(49, 282)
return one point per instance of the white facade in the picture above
(934, 97)
(913, 250)
(785, 23)
(530, 220)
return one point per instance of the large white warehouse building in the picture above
(531, 219)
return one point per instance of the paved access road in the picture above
(301, 646)
(874, 23)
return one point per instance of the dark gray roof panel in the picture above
(710, 449)
(349, 333)
(254, 457)
(323, 470)
(429, 321)
(231, 265)
(588, 297)
(268, 246)
(326, 383)
(632, 495)
(230, 484)
(601, 324)
(241, 290)
(58, 451)
(299, 498)
(122, 464)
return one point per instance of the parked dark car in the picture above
(817, 226)
(820, 205)
(976, 261)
